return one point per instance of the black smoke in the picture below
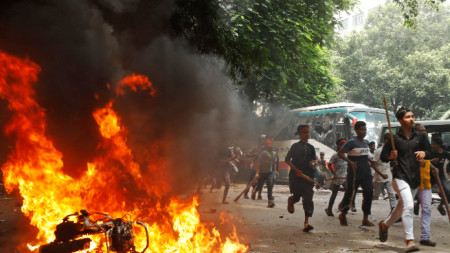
(84, 45)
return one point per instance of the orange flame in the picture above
(134, 81)
(113, 182)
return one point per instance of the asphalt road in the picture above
(273, 229)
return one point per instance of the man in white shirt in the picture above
(379, 181)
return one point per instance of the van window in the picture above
(441, 130)
(445, 137)
(385, 130)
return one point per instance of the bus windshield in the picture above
(374, 121)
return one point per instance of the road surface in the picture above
(274, 229)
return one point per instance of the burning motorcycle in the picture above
(69, 234)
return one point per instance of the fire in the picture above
(108, 121)
(134, 81)
(113, 183)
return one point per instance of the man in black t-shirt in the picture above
(356, 153)
(302, 159)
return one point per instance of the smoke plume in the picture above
(85, 47)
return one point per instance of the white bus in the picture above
(327, 123)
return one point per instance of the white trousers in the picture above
(404, 208)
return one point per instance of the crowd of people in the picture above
(262, 162)
(401, 170)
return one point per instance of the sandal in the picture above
(412, 248)
(381, 233)
(367, 224)
(441, 210)
(428, 242)
(308, 228)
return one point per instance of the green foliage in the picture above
(286, 61)
(200, 23)
(275, 48)
(410, 9)
(445, 114)
(409, 66)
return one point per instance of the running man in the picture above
(265, 168)
(356, 153)
(411, 147)
(302, 159)
(380, 182)
(338, 167)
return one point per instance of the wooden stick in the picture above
(390, 129)
(328, 179)
(246, 188)
(301, 173)
(441, 189)
(308, 178)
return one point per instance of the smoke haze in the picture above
(82, 46)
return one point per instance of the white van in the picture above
(434, 127)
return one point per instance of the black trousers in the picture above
(334, 192)
(300, 188)
(446, 186)
(367, 187)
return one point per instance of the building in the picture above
(354, 20)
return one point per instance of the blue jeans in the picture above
(250, 178)
(425, 219)
(391, 193)
(320, 178)
(268, 179)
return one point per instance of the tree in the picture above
(288, 41)
(277, 49)
(409, 66)
(410, 9)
